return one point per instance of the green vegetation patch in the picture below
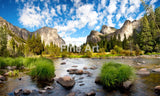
(114, 74)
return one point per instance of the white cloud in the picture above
(112, 6)
(97, 27)
(140, 15)
(110, 23)
(123, 6)
(59, 9)
(32, 16)
(118, 16)
(152, 3)
(64, 7)
(71, 11)
(130, 18)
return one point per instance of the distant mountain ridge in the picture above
(127, 29)
(47, 34)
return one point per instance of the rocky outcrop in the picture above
(50, 35)
(107, 30)
(94, 37)
(47, 34)
(127, 29)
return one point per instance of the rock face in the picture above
(127, 29)
(47, 34)
(94, 36)
(107, 30)
(50, 35)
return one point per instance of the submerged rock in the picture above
(92, 93)
(71, 94)
(1, 82)
(63, 63)
(81, 84)
(79, 72)
(85, 68)
(143, 71)
(74, 66)
(27, 92)
(66, 81)
(93, 67)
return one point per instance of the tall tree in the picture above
(146, 40)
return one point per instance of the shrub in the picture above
(44, 70)
(2, 63)
(114, 74)
(13, 73)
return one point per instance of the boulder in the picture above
(92, 93)
(127, 84)
(48, 88)
(157, 89)
(27, 92)
(156, 70)
(66, 81)
(85, 68)
(2, 78)
(1, 82)
(143, 71)
(93, 67)
(71, 94)
(79, 72)
(18, 92)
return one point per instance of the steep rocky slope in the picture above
(106, 31)
(47, 34)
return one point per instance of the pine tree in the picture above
(146, 40)
(124, 43)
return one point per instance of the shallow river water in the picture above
(143, 86)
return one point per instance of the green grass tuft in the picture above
(44, 70)
(114, 74)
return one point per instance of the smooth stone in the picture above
(71, 94)
(156, 70)
(92, 93)
(93, 67)
(143, 71)
(48, 88)
(18, 92)
(27, 92)
(42, 91)
(85, 68)
(81, 84)
(127, 84)
(81, 78)
(79, 72)
(66, 81)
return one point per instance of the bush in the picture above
(114, 74)
(2, 63)
(44, 70)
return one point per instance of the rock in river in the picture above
(97, 80)
(66, 81)
(48, 88)
(72, 94)
(63, 63)
(27, 92)
(157, 89)
(156, 70)
(92, 93)
(127, 84)
(2, 78)
(18, 92)
(143, 71)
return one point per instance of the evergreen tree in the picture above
(124, 43)
(146, 40)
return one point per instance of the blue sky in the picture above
(74, 19)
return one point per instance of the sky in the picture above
(74, 19)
